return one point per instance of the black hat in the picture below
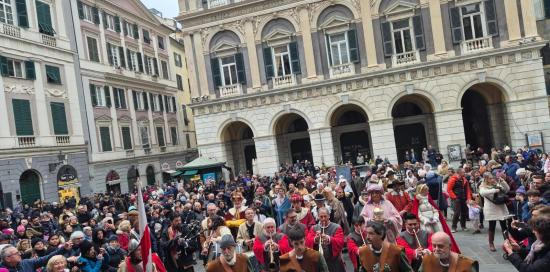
(319, 197)
(85, 246)
(112, 238)
(35, 241)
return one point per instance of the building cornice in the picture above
(147, 157)
(13, 153)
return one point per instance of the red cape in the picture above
(446, 229)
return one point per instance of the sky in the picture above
(169, 8)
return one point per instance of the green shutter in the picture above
(104, 17)
(105, 139)
(161, 102)
(125, 28)
(117, 24)
(44, 18)
(145, 101)
(136, 31)
(353, 46)
(109, 54)
(174, 133)
(29, 70)
(241, 72)
(491, 18)
(329, 53)
(387, 39)
(122, 98)
(140, 62)
(174, 104)
(117, 101)
(147, 68)
(95, 12)
(107, 91)
(160, 136)
(80, 10)
(53, 75)
(155, 67)
(216, 73)
(4, 71)
(419, 32)
(126, 138)
(129, 59)
(152, 102)
(121, 58)
(134, 95)
(22, 17)
(456, 25)
(146, 37)
(268, 62)
(59, 118)
(546, 9)
(294, 58)
(22, 117)
(93, 95)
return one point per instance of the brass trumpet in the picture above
(321, 251)
(272, 266)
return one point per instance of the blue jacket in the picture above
(30, 265)
(510, 169)
(88, 265)
(526, 211)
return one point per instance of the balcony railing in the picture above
(26, 141)
(63, 140)
(231, 90)
(284, 81)
(405, 58)
(476, 45)
(49, 40)
(217, 3)
(11, 30)
(342, 70)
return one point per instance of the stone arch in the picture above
(277, 117)
(339, 104)
(225, 124)
(433, 102)
(326, 5)
(213, 38)
(268, 20)
(29, 181)
(237, 138)
(498, 84)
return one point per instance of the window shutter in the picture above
(294, 58)
(214, 66)
(121, 57)
(174, 109)
(491, 18)
(107, 91)
(53, 74)
(134, 95)
(456, 25)
(80, 10)
(93, 94)
(30, 70)
(174, 134)
(59, 118)
(152, 102)
(140, 62)
(22, 16)
(145, 101)
(353, 46)
(117, 101)
(105, 138)
(129, 59)
(146, 37)
(161, 102)
(4, 66)
(125, 28)
(104, 19)
(547, 9)
(122, 98)
(160, 136)
(117, 24)
(156, 66)
(109, 54)
(386, 39)
(95, 11)
(204, 3)
(166, 102)
(44, 18)
(147, 68)
(22, 117)
(126, 138)
(419, 33)
(185, 119)
(136, 32)
(241, 73)
(268, 63)
(327, 38)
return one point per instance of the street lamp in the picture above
(60, 158)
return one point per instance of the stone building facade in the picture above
(326, 80)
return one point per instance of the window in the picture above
(109, 21)
(228, 67)
(161, 42)
(174, 135)
(99, 98)
(402, 36)
(472, 23)
(93, 53)
(185, 119)
(22, 117)
(44, 17)
(148, 65)
(281, 60)
(188, 140)
(338, 44)
(146, 38)
(6, 12)
(15, 68)
(105, 135)
(160, 136)
(120, 98)
(155, 102)
(179, 81)
(133, 61)
(53, 75)
(59, 118)
(169, 106)
(88, 13)
(144, 134)
(126, 138)
(177, 60)
(114, 57)
(540, 9)
(129, 29)
(164, 67)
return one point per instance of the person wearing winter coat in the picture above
(538, 258)
(89, 260)
(11, 259)
(116, 254)
(492, 211)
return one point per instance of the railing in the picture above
(284, 81)
(477, 45)
(11, 30)
(405, 58)
(63, 140)
(230, 90)
(217, 3)
(341, 70)
(26, 141)
(49, 40)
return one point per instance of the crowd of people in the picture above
(388, 217)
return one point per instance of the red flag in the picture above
(145, 238)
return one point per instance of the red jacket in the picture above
(451, 184)
(409, 251)
(258, 248)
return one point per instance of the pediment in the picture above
(143, 120)
(225, 46)
(158, 120)
(399, 8)
(125, 118)
(278, 34)
(136, 8)
(335, 21)
(103, 118)
(173, 120)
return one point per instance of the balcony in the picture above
(342, 70)
(284, 81)
(63, 140)
(26, 141)
(217, 3)
(11, 30)
(405, 58)
(476, 45)
(231, 90)
(49, 40)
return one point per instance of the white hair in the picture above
(269, 220)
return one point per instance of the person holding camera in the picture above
(538, 258)
(494, 208)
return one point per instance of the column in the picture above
(437, 27)
(529, 20)
(76, 128)
(252, 55)
(117, 143)
(450, 130)
(322, 148)
(201, 67)
(370, 45)
(192, 4)
(136, 136)
(4, 126)
(102, 43)
(383, 139)
(43, 121)
(267, 160)
(305, 28)
(191, 72)
(512, 20)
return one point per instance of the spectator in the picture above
(459, 192)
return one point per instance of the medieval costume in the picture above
(303, 214)
(246, 232)
(281, 204)
(310, 261)
(355, 241)
(331, 251)
(457, 262)
(219, 265)
(410, 243)
(400, 199)
(390, 257)
(235, 215)
(262, 254)
(384, 211)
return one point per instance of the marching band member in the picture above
(292, 223)
(301, 258)
(443, 259)
(269, 241)
(249, 230)
(381, 255)
(216, 230)
(356, 239)
(327, 238)
(416, 242)
(229, 260)
(398, 197)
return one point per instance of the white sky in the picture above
(169, 8)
